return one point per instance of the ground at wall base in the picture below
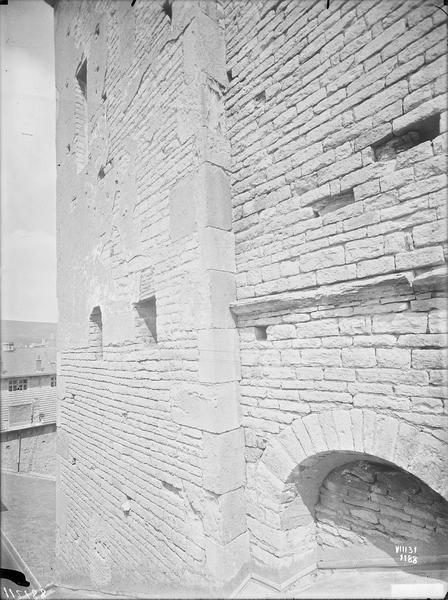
(363, 583)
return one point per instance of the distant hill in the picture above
(24, 333)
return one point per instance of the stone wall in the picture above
(383, 353)
(150, 449)
(313, 94)
(338, 125)
(366, 511)
(280, 159)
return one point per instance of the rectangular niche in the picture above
(81, 116)
(96, 333)
(261, 332)
(147, 319)
(424, 130)
(331, 203)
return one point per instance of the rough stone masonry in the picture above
(252, 252)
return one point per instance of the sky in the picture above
(28, 162)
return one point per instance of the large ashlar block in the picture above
(215, 148)
(212, 294)
(183, 207)
(214, 408)
(214, 208)
(222, 289)
(218, 355)
(281, 570)
(202, 198)
(224, 562)
(217, 249)
(63, 444)
(223, 464)
(204, 50)
(225, 516)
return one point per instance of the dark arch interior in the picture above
(306, 479)
(370, 513)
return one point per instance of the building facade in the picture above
(252, 290)
(28, 408)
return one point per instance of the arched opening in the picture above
(291, 487)
(372, 514)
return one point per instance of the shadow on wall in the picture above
(372, 513)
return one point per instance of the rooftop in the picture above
(25, 362)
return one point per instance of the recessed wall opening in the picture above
(96, 333)
(168, 9)
(81, 77)
(332, 203)
(147, 320)
(377, 514)
(260, 98)
(81, 116)
(171, 488)
(413, 135)
(261, 332)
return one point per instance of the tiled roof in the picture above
(22, 362)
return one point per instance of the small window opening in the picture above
(168, 9)
(229, 75)
(96, 333)
(332, 203)
(81, 116)
(260, 98)
(417, 133)
(17, 385)
(171, 488)
(261, 332)
(277, 4)
(81, 78)
(147, 319)
(53, 380)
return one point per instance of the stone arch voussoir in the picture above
(338, 433)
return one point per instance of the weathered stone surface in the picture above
(217, 249)
(213, 202)
(246, 160)
(214, 408)
(224, 562)
(337, 293)
(183, 208)
(225, 516)
(223, 461)
(218, 355)
(204, 49)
